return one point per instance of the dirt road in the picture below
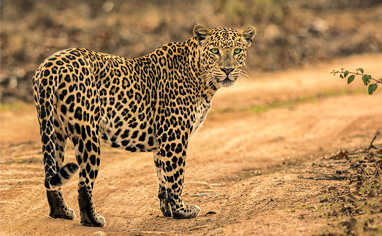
(243, 170)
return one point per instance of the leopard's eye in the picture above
(237, 50)
(214, 50)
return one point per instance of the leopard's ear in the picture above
(201, 33)
(247, 35)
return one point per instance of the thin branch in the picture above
(334, 72)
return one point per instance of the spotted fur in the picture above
(149, 104)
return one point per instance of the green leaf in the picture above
(366, 79)
(346, 73)
(371, 89)
(351, 78)
(360, 69)
(380, 79)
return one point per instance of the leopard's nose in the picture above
(227, 70)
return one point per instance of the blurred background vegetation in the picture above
(289, 33)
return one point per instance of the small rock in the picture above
(217, 184)
(199, 183)
(108, 6)
(216, 231)
(210, 213)
(203, 194)
(319, 25)
(308, 136)
(100, 233)
(278, 138)
(271, 32)
(332, 188)
(371, 194)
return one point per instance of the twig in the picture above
(372, 141)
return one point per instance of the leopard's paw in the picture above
(65, 213)
(94, 221)
(187, 211)
(165, 207)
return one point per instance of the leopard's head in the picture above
(223, 52)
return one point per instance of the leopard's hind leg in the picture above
(82, 127)
(58, 206)
(87, 149)
(53, 141)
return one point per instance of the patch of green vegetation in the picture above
(246, 176)
(293, 102)
(288, 103)
(277, 104)
(19, 160)
(4, 107)
(374, 185)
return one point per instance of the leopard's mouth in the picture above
(226, 82)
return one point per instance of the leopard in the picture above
(153, 103)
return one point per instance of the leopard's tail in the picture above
(43, 86)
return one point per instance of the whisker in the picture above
(244, 73)
(206, 77)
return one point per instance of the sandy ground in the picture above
(245, 169)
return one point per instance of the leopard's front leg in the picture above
(164, 206)
(170, 163)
